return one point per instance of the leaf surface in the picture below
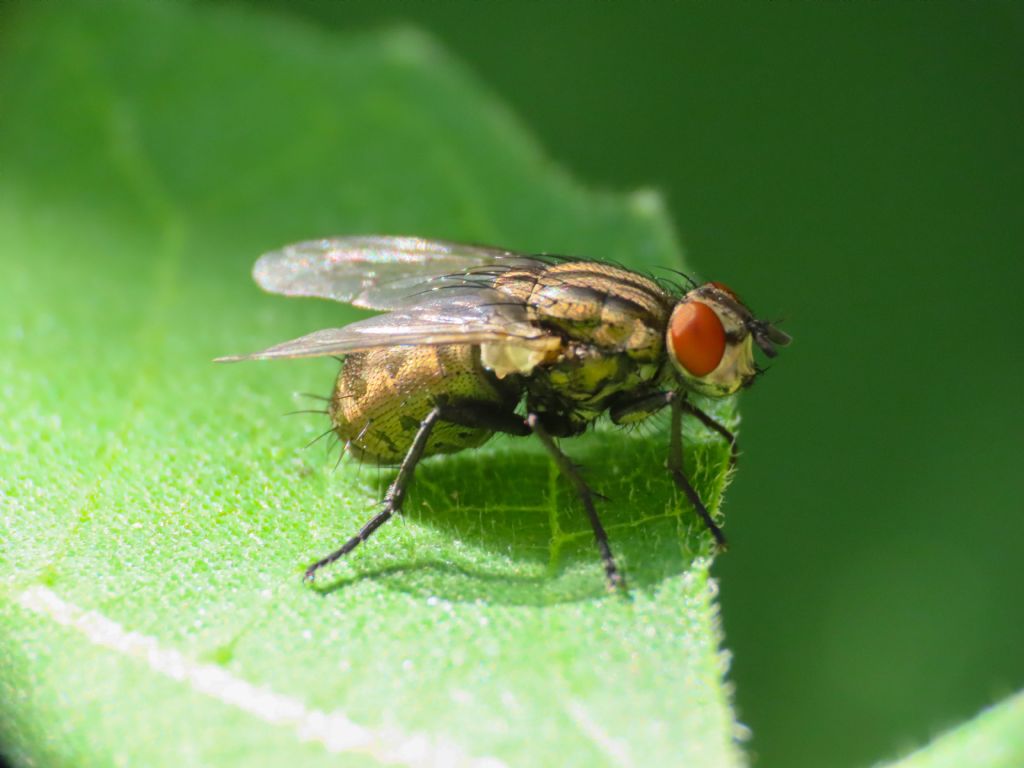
(993, 739)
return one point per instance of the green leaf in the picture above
(993, 739)
(157, 511)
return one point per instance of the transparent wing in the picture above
(467, 315)
(378, 272)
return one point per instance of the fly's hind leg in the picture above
(392, 499)
(470, 414)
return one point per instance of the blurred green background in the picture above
(856, 169)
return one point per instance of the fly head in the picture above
(710, 340)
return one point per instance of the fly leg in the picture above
(470, 414)
(675, 468)
(615, 579)
(392, 499)
(481, 416)
(648, 405)
(710, 423)
(484, 415)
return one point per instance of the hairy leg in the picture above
(470, 414)
(615, 578)
(392, 499)
(675, 468)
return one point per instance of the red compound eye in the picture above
(697, 338)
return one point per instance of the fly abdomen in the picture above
(383, 394)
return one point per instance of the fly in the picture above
(477, 340)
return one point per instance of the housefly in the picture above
(477, 340)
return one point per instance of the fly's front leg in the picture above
(648, 405)
(615, 579)
(675, 468)
(652, 403)
(710, 423)
(392, 499)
